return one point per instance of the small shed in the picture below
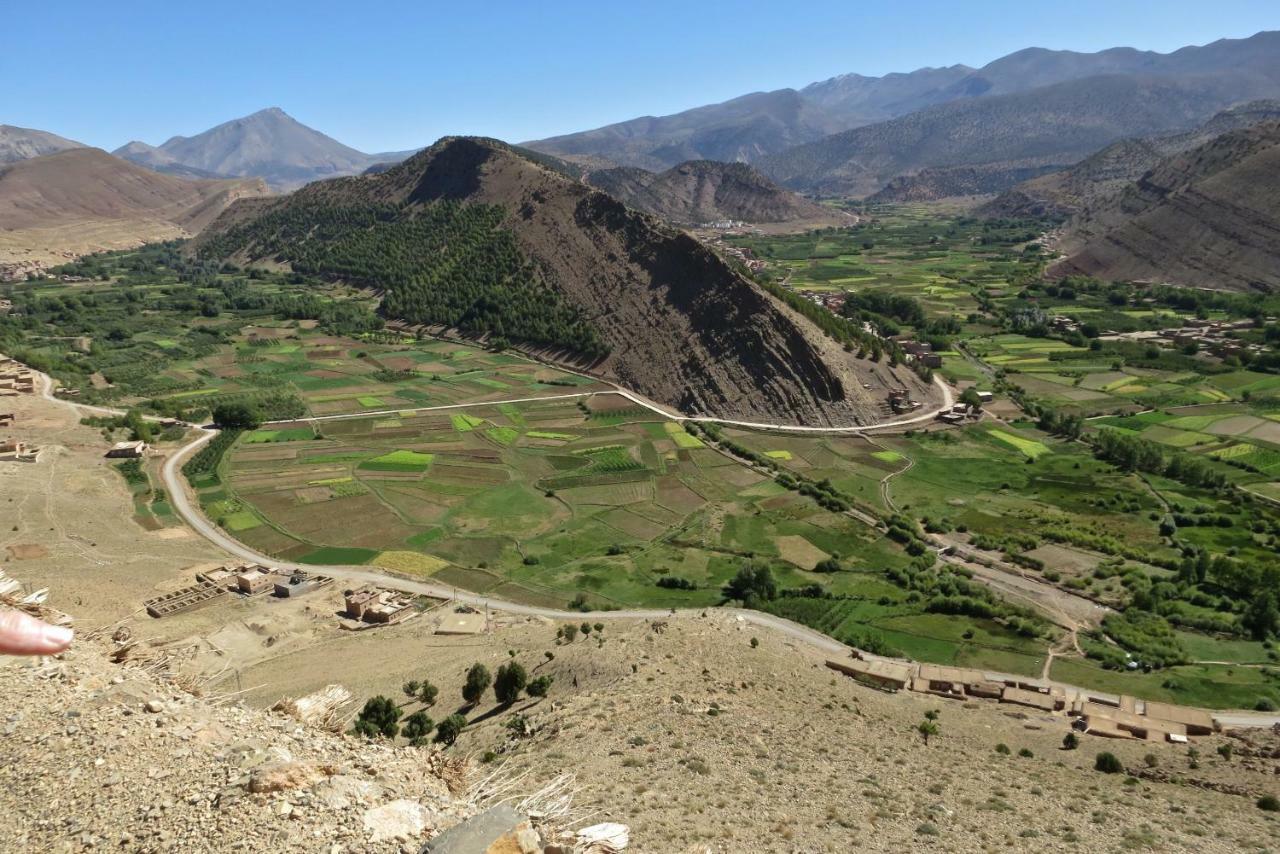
(127, 450)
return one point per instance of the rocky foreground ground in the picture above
(96, 755)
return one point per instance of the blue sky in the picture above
(391, 75)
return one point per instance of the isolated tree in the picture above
(570, 633)
(509, 682)
(969, 397)
(417, 727)
(139, 430)
(478, 681)
(427, 693)
(379, 717)
(448, 730)
(1070, 741)
(599, 627)
(410, 688)
(753, 581)
(926, 729)
(585, 628)
(236, 416)
(540, 686)
(1262, 618)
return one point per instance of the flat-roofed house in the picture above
(1140, 726)
(127, 450)
(952, 681)
(256, 579)
(1196, 721)
(887, 675)
(1034, 699)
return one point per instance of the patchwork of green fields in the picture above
(536, 495)
(1244, 437)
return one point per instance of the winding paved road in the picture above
(181, 501)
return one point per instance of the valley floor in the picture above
(679, 726)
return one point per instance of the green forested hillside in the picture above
(443, 263)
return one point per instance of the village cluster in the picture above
(15, 378)
(215, 581)
(363, 608)
(1092, 713)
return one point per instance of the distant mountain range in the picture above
(703, 191)
(270, 144)
(23, 143)
(852, 135)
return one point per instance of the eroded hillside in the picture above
(1205, 218)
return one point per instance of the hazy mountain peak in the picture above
(17, 143)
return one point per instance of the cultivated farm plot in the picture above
(1226, 432)
(604, 503)
(334, 375)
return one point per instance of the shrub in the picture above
(1002, 749)
(1108, 763)
(1026, 753)
(1070, 741)
(1269, 803)
(427, 693)
(450, 728)
(379, 717)
(417, 727)
(478, 680)
(539, 687)
(509, 682)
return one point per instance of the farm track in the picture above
(180, 497)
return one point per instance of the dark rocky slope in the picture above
(1209, 217)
